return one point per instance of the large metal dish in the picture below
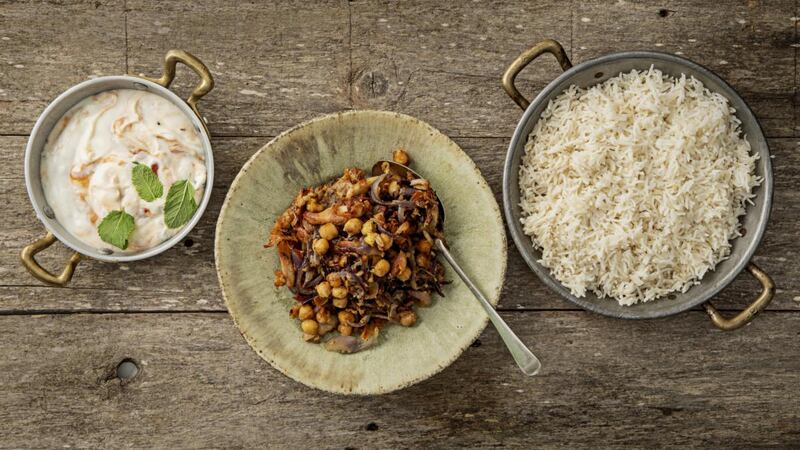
(755, 221)
(54, 112)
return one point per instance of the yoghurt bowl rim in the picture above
(42, 128)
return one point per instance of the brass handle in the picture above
(744, 317)
(546, 46)
(39, 272)
(171, 60)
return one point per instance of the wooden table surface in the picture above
(604, 382)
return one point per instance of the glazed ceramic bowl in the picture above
(316, 152)
(56, 110)
(754, 222)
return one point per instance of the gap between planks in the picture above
(451, 136)
(70, 312)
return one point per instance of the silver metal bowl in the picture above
(53, 113)
(754, 222)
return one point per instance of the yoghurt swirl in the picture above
(89, 156)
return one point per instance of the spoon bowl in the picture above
(380, 167)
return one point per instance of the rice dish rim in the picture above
(670, 65)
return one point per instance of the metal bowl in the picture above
(754, 222)
(53, 113)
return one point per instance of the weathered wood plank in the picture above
(750, 44)
(671, 382)
(442, 61)
(273, 73)
(129, 287)
(446, 70)
(47, 47)
(275, 63)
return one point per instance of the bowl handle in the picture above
(744, 317)
(546, 46)
(29, 261)
(171, 59)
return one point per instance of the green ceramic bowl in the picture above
(316, 152)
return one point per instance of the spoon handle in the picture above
(524, 358)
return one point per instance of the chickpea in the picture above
(346, 316)
(323, 316)
(340, 303)
(345, 330)
(295, 310)
(339, 292)
(394, 188)
(422, 260)
(324, 289)
(381, 268)
(383, 241)
(328, 231)
(310, 326)
(408, 318)
(424, 246)
(400, 156)
(405, 274)
(370, 239)
(334, 279)
(425, 301)
(420, 184)
(368, 227)
(313, 206)
(353, 226)
(321, 246)
(332, 322)
(285, 220)
(280, 280)
(306, 311)
(404, 228)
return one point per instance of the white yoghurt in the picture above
(89, 156)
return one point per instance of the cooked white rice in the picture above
(633, 188)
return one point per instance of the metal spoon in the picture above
(524, 358)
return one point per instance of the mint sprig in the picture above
(116, 228)
(146, 182)
(180, 204)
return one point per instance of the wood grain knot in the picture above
(668, 410)
(127, 369)
(373, 84)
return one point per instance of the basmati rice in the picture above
(633, 188)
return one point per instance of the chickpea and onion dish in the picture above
(357, 254)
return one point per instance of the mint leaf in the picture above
(146, 182)
(180, 204)
(116, 228)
